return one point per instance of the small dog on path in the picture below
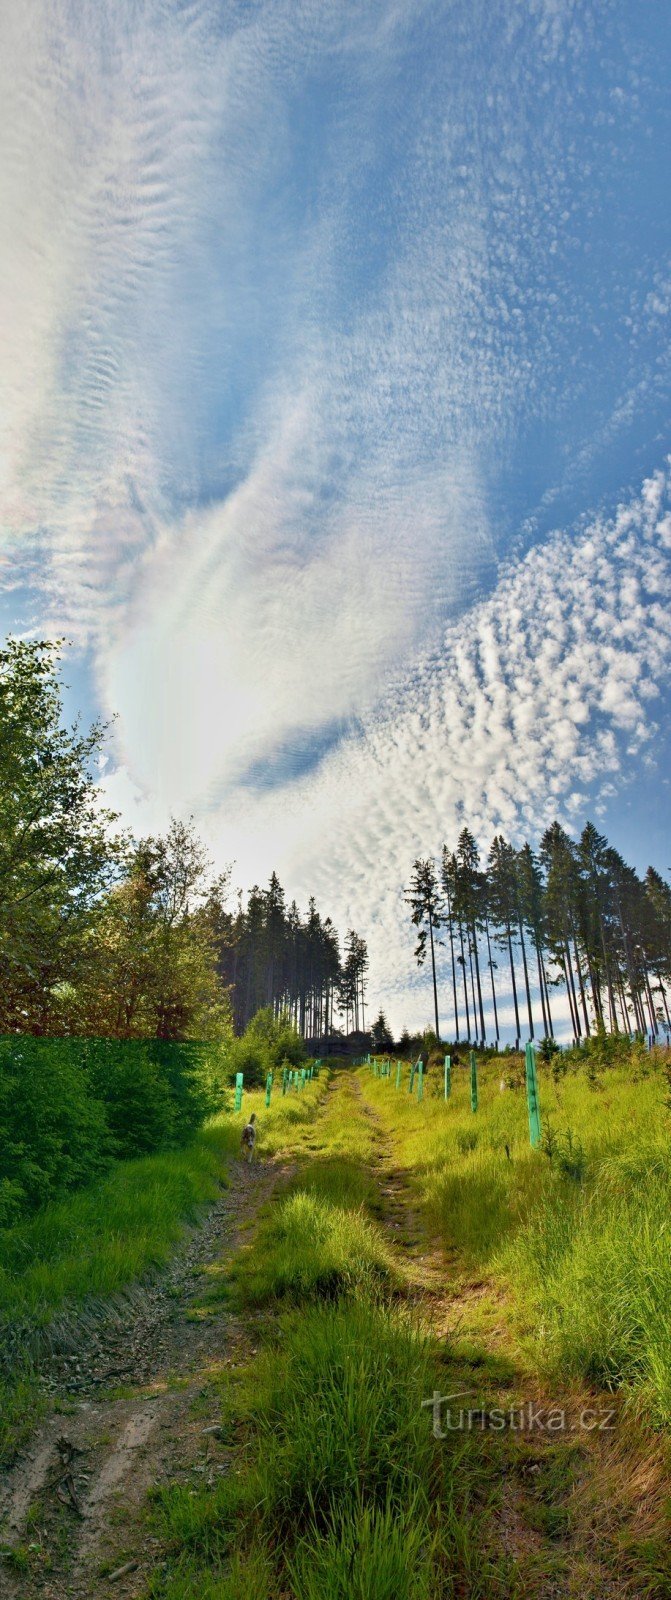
(249, 1137)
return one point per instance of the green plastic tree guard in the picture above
(238, 1092)
(269, 1086)
(474, 1082)
(284, 1080)
(532, 1097)
(413, 1070)
(398, 1074)
(302, 1077)
(420, 1080)
(448, 1077)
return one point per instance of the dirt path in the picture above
(69, 1507)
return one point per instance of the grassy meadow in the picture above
(388, 1213)
(338, 1485)
(580, 1231)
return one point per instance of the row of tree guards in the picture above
(293, 1078)
(388, 1069)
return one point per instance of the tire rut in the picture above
(70, 1504)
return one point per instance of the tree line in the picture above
(569, 917)
(270, 956)
(105, 935)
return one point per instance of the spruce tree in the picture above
(423, 896)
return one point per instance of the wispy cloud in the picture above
(309, 307)
(540, 701)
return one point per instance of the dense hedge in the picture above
(68, 1107)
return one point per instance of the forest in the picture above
(109, 936)
(570, 919)
(130, 992)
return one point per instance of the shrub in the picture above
(267, 1043)
(69, 1106)
(54, 1133)
(155, 1092)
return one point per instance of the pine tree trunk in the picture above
(463, 968)
(526, 979)
(626, 1019)
(491, 974)
(433, 971)
(470, 968)
(570, 989)
(581, 985)
(479, 987)
(541, 985)
(512, 977)
(651, 1004)
(454, 970)
(547, 995)
(662, 991)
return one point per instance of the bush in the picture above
(54, 1133)
(69, 1106)
(267, 1043)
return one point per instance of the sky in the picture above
(335, 399)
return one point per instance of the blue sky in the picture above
(335, 396)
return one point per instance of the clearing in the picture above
(267, 1419)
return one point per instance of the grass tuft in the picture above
(309, 1246)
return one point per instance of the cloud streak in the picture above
(313, 308)
(541, 701)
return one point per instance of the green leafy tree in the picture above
(57, 852)
(151, 954)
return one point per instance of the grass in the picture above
(335, 1483)
(579, 1232)
(98, 1240)
(310, 1246)
(340, 1488)
(79, 1252)
(319, 1239)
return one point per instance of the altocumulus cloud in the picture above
(298, 293)
(538, 702)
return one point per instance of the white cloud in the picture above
(291, 288)
(535, 706)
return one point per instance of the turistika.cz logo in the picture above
(529, 1417)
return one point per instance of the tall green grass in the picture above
(98, 1240)
(308, 1245)
(85, 1248)
(579, 1231)
(320, 1239)
(94, 1242)
(338, 1487)
(340, 1482)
